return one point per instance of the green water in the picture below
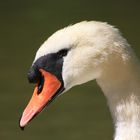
(80, 114)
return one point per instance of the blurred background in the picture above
(80, 114)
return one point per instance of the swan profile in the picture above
(82, 52)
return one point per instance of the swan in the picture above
(82, 52)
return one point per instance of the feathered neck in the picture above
(121, 86)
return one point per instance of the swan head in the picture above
(71, 56)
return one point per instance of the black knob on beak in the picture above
(33, 75)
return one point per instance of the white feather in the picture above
(98, 51)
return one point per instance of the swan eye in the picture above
(62, 53)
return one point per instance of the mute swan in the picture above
(83, 52)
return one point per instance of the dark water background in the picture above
(80, 114)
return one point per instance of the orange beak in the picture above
(39, 100)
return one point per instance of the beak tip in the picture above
(22, 128)
(21, 125)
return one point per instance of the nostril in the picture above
(33, 76)
(40, 85)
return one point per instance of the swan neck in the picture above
(122, 91)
